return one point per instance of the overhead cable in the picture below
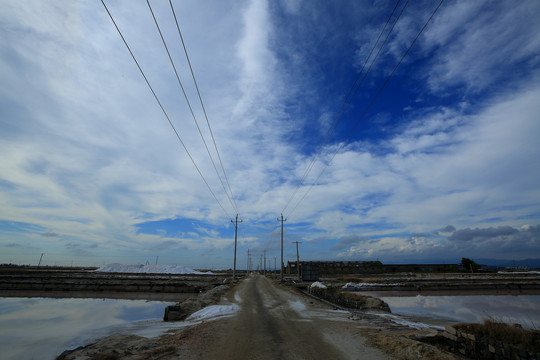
(162, 109)
(348, 100)
(202, 105)
(189, 105)
(368, 106)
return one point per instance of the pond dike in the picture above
(349, 301)
(497, 282)
(44, 280)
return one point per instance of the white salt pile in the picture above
(149, 269)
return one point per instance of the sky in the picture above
(431, 155)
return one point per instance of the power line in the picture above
(369, 106)
(162, 109)
(188, 103)
(348, 100)
(202, 105)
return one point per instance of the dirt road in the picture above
(274, 323)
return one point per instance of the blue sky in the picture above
(444, 164)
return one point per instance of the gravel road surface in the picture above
(275, 323)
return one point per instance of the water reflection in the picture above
(42, 328)
(173, 297)
(522, 309)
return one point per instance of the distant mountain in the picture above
(523, 263)
(528, 263)
(533, 263)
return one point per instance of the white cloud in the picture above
(473, 180)
(503, 35)
(87, 153)
(474, 174)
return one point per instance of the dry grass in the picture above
(510, 334)
(404, 348)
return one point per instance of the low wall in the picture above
(113, 286)
(350, 301)
(501, 285)
(103, 282)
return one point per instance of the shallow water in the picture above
(42, 328)
(521, 309)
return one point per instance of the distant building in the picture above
(366, 267)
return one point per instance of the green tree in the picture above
(469, 264)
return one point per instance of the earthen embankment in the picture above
(41, 280)
(526, 283)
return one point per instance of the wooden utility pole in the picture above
(41, 257)
(281, 266)
(235, 240)
(297, 258)
(264, 268)
(247, 265)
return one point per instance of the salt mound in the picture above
(149, 269)
(318, 284)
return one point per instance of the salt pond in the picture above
(42, 328)
(522, 309)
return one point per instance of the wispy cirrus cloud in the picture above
(460, 35)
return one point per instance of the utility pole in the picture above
(41, 257)
(275, 266)
(247, 267)
(235, 240)
(297, 258)
(281, 266)
(264, 271)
